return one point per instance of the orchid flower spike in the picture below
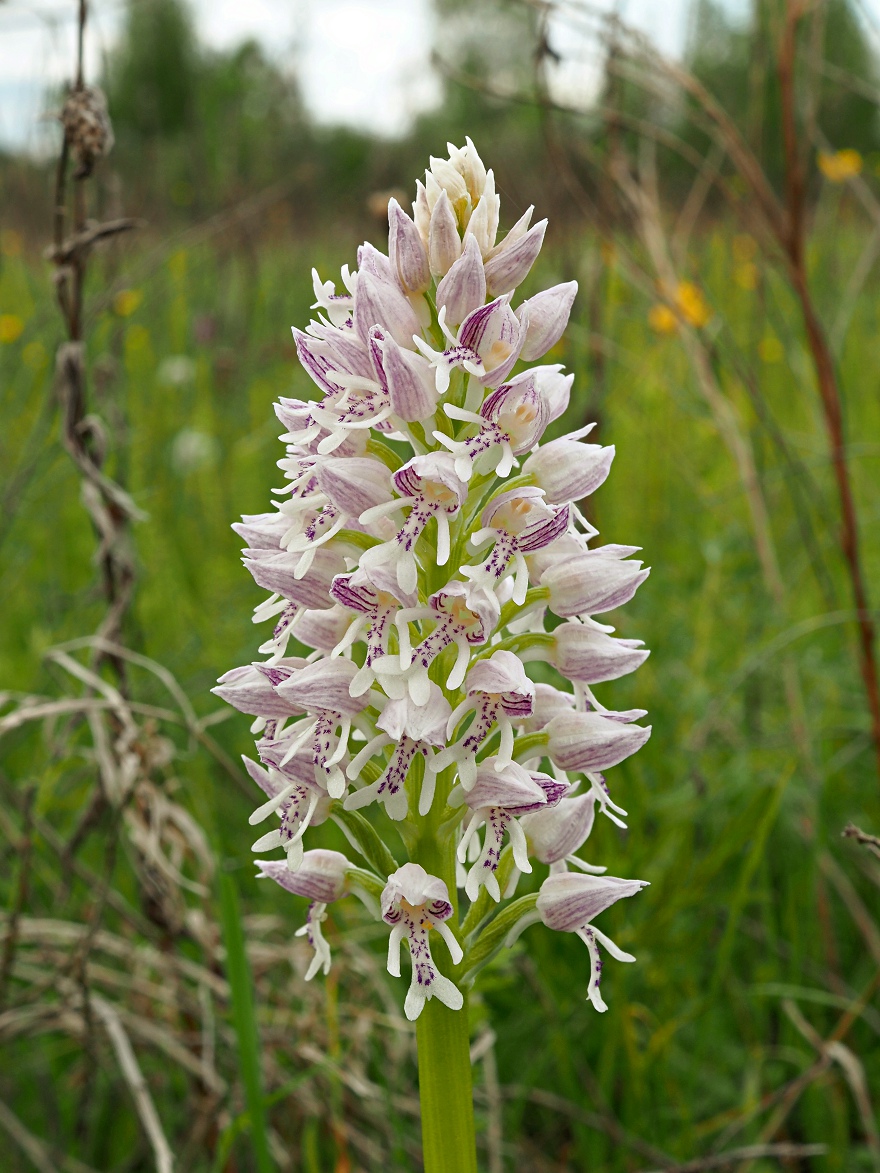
(434, 589)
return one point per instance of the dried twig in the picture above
(872, 842)
(137, 1084)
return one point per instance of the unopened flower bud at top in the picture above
(483, 221)
(463, 289)
(406, 250)
(444, 243)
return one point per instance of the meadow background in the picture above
(151, 993)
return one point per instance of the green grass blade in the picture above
(747, 874)
(244, 1020)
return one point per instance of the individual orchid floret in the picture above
(339, 306)
(511, 421)
(298, 801)
(406, 252)
(555, 833)
(594, 741)
(566, 469)
(405, 377)
(510, 263)
(294, 589)
(378, 302)
(595, 581)
(518, 523)
(464, 615)
(430, 487)
(321, 879)
(375, 598)
(497, 798)
(413, 903)
(582, 652)
(500, 695)
(486, 346)
(322, 689)
(251, 689)
(344, 487)
(463, 289)
(568, 903)
(547, 315)
(412, 729)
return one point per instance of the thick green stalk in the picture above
(445, 1094)
(443, 1035)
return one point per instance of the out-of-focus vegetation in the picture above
(751, 1017)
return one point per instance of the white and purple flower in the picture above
(412, 580)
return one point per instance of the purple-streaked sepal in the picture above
(592, 582)
(409, 378)
(321, 876)
(510, 264)
(379, 303)
(568, 901)
(354, 484)
(324, 685)
(592, 741)
(463, 289)
(547, 315)
(583, 653)
(557, 832)
(252, 691)
(406, 251)
(567, 470)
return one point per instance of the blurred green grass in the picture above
(726, 822)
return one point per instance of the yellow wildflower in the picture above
(662, 319)
(690, 306)
(127, 301)
(839, 166)
(11, 327)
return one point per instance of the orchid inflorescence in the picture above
(422, 540)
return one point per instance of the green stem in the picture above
(443, 1035)
(448, 1143)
